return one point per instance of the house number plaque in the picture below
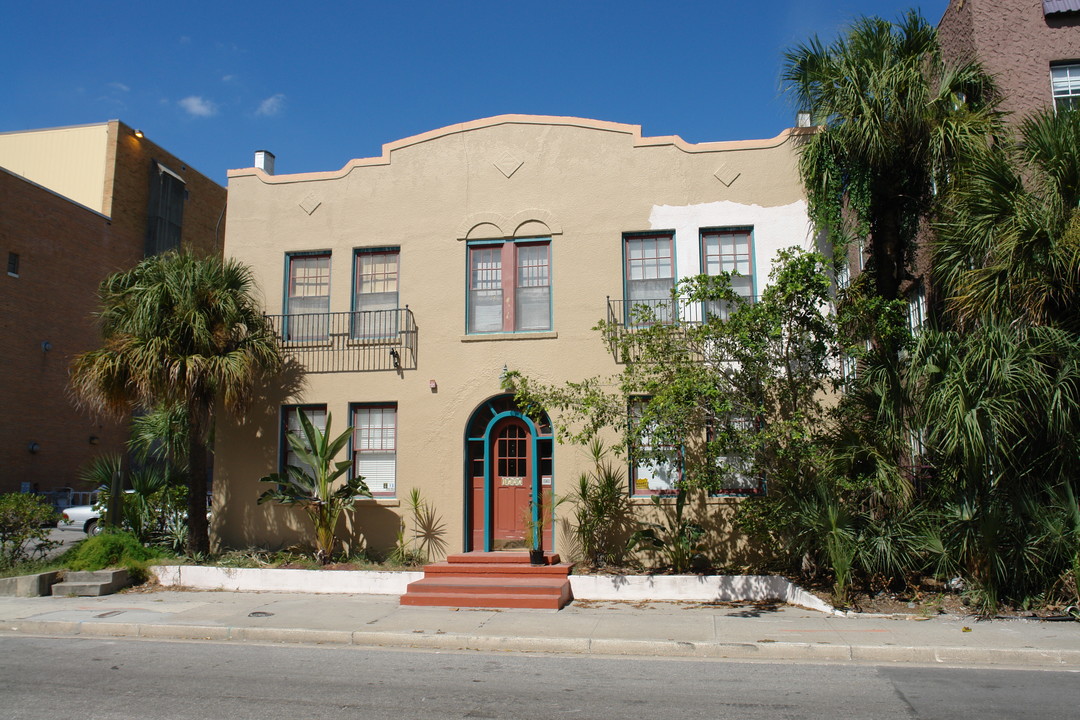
(513, 481)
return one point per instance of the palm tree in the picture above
(1009, 242)
(181, 331)
(894, 121)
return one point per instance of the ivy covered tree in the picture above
(894, 124)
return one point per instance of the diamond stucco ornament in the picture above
(508, 164)
(726, 175)
(310, 203)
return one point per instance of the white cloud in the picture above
(271, 105)
(198, 106)
(228, 78)
(119, 86)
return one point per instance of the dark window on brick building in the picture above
(166, 211)
(13, 264)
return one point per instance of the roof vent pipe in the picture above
(264, 160)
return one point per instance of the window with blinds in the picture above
(374, 447)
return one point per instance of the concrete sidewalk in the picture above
(763, 632)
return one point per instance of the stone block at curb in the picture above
(803, 651)
(44, 627)
(892, 654)
(34, 585)
(184, 632)
(440, 641)
(613, 646)
(528, 644)
(1002, 656)
(108, 629)
(291, 635)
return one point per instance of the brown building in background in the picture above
(76, 204)
(1031, 47)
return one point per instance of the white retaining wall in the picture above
(694, 588)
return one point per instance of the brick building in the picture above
(1031, 47)
(76, 204)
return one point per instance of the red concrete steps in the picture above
(492, 580)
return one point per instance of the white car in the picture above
(81, 517)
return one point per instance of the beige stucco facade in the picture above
(581, 183)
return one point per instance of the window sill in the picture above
(380, 502)
(490, 337)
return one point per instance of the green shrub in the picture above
(25, 521)
(114, 549)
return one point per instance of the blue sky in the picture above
(319, 83)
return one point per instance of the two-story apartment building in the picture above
(407, 284)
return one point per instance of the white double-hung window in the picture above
(307, 296)
(729, 251)
(375, 295)
(290, 425)
(1065, 81)
(509, 286)
(374, 447)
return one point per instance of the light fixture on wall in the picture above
(94, 439)
(33, 447)
(46, 346)
(138, 133)
(433, 385)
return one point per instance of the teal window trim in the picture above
(749, 230)
(353, 407)
(500, 242)
(283, 428)
(357, 252)
(679, 450)
(641, 234)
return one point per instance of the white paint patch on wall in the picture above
(774, 228)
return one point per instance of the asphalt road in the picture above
(98, 678)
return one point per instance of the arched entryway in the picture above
(508, 471)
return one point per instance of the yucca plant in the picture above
(427, 529)
(311, 486)
(601, 510)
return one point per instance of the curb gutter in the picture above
(1030, 657)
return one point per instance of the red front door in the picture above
(511, 483)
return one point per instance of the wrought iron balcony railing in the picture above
(626, 316)
(349, 341)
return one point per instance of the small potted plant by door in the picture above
(535, 524)
(534, 536)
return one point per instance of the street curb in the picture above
(771, 651)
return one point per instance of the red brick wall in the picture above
(64, 250)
